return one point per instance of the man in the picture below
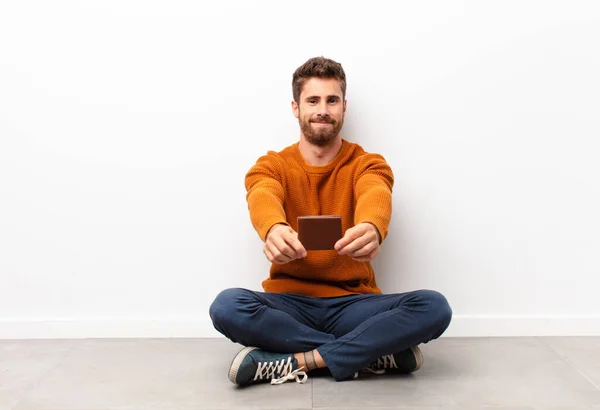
(323, 308)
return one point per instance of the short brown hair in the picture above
(319, 67)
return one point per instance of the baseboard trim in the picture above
(461, 326)
(106, 328)
(523, 325)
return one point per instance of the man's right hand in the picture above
(282, 245)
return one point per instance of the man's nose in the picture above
(323, 109)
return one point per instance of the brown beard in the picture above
(321, 137)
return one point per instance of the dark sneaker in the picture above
(406, 361)
(253, 365)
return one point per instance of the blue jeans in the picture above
(349, 332)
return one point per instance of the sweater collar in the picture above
(321, 169)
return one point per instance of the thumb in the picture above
(348, 237)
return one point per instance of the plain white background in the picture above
(126, 129)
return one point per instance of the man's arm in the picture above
(265, 197)
(373, 190)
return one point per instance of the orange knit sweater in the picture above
(355, 185)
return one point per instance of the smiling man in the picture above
(322, 308)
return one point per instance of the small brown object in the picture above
(319, 232)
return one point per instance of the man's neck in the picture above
(318, 156)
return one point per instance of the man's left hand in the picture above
(360, 242)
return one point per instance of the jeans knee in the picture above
(438, 307)
(224, 305)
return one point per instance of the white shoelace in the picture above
(295, 375)
(387, 362)
(383, 362)
(283, 368)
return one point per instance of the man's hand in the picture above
(360, 242)
(282, 245)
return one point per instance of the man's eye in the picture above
(312, 101)
(332, 100)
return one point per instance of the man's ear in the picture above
(295, 109)
(345, 107)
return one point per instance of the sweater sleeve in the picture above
(373, 190)
(265, 195)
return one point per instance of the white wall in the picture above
(126, 128)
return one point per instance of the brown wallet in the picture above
(319, 232)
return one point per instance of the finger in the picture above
(350, 235)
(282, 247)
(368, 236)
(355, 245)
(362, 251)
(276, 255)
(292, 239)
(269, 255)
(367, 258)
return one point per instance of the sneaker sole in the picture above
(237, 361)
(418, 357)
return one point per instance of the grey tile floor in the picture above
(191, 374)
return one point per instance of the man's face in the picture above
(321, 110)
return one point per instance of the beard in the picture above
(321, 136)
